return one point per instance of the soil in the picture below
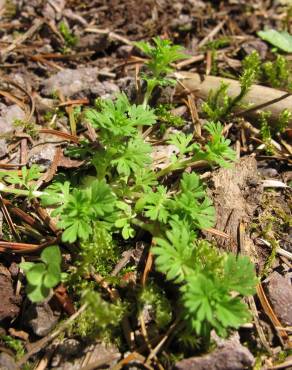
(44, 76)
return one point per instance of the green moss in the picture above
(153, 296)
(29, 127)
(16, 345)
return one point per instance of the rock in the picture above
(69, 348)
(255, 45)
(8, 115)
(9, 308)
(42, 154)
(268, 172)
(279, 292)
(77, 83)
(71, 81)
(125, 51)
(230, 355)
(128, 86)
(41, 318)
(7, 362)
(71, 358)
(95, 42)
(105, 89)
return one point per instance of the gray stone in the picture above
(279, 291)
(124, 51)
(95, 42)
(8, 116)
(7, 362)
(230, 355)
(42, 154)
(41, 318)
(72, 358)
(105, 89)
(78, 83)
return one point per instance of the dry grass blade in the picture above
(272, 316)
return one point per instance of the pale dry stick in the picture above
(280, 251)
(213, 33)
(208, 62)
(283, 365)
(262, 97)
(103, 361)
(157, 349)
(111, 35)
(282, 335)
(286, 328)
(192, 60)
(256, 132)
(194, 114)
(28, 34)
(254, 311)
(40, 344)
(237, 149)
(250, 299)
(286, 145)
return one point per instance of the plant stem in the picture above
(6, 189)
(151, 228)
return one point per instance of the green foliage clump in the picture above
(207, 280)
(220, 104)
(16, 345)
(79, 208)
(152, 297)
(43, 276)
(29, 127)
(26, 181)
(276, 73)
(166, 118)
(69, 38)
(124, 195)
(161, 55)
(98, 318)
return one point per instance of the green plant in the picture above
(29, 127)
(276, 73)
(69, 38)
(207, 280)
(43, 276)
(77, 209)
(161, 55)
(219, 104)
(166, 118)
(25, 182)
(153, 298)
(281, 39)
(119, 195)
(15, 344)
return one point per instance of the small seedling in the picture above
(25, 182)
(70, 39)
(161, 55)
(43, 276)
